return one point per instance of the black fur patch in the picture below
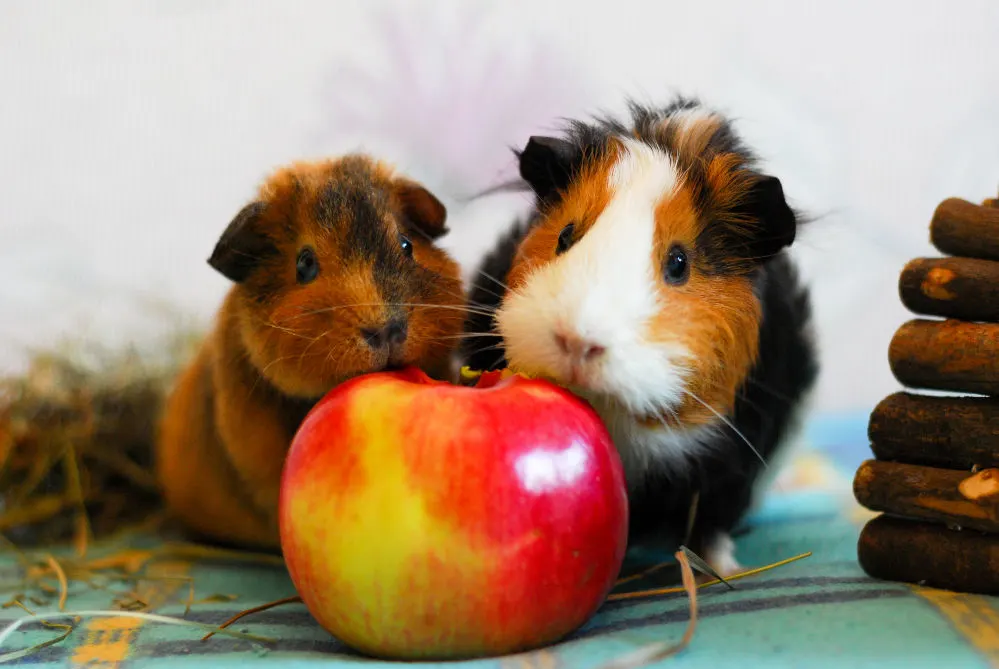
(243, 246)
(349, 202)
(482, 351)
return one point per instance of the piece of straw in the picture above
(31, 650)
(638, 594)
(61, 577)
(642, 574)
(701, 565)
(151, 617)
(654, 652)
(255, 609)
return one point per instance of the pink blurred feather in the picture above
(456, 99)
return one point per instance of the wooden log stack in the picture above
(934, 478)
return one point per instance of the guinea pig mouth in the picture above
(393, 362)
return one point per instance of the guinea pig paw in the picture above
(720, 556)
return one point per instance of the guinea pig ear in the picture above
(766, 204)
(547, 163)
(422, 209)
(242, 245)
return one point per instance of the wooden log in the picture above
(949, 432)
(947, 355)
(894, 549)
(962, 228)
(949, 496)
(963, 288)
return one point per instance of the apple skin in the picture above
(425, 520)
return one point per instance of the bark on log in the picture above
(963, 288)
(928, 493)
(947, 355)
(949, 432)
(962, 228)
(911, 551)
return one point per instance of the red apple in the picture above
(425, 520)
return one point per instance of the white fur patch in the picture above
(685, 120)
(720, 556)
(604, 290)
(640, 445)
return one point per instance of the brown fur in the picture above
(278, 346)
(715, 316)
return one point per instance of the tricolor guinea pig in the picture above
(334, 272)
(652, 278)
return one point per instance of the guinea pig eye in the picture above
(306, 267)
(677, 266)
(565, 239)
(406, 246)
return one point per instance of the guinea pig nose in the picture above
(392, 333)
(395, 332)
(577, 347)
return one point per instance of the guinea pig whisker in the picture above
(494, 280)
(467, 335)
(666, 425)
(740, 394)
(280, 328)
(467, 300)
(764, 387)
(447, 307)
(486, 290)
(329, 358)
(287, 331)
(730, 425)
(325, 310)
(484, 349)
(266, 367)
(480, 305)
(305, 351)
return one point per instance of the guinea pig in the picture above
(334, 273)
(652, 279)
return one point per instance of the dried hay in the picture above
(76, 439)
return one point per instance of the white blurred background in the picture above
(131, 132)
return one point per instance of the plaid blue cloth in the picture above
(821, 611)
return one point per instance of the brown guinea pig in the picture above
(335, 274)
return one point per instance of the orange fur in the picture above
(690, 137)
(278, 346)
(581, 205)
(715, 317)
